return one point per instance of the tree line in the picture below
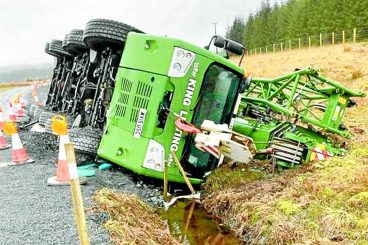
(297, 18)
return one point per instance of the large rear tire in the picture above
(86, 139)
(47, 51)
(102, 33)
(56, 48)
(74, 42)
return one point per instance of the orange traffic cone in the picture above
(37, 101)
(1, 118)
(3, 142)
(62, 168)
(60, 127)
(20, 110)
(12, 115)
(19, 154)
(22, 102)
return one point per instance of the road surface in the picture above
(32, 212)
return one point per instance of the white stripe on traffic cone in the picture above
(19, 154)
(3, 142)
(12, 115)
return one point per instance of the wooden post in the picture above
(274, 47)
(183, 172)
(320, 39)
(343, 37)
(333, 38)
(354, 35)
(166, 182)
(189, 217)
(76, 195)
(299, 43)
(309, 42)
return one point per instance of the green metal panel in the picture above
(142, 82)
(159, 50)
(260, 133)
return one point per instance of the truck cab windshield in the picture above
(216, 103)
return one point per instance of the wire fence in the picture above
(323, 39)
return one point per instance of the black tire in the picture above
(64, 43)
(75, 42)
(47, 51)
(37, 113)
(48, 128)
(102, 33)
(44, 117)
(56, 47)
(31, 111)
(86, 139)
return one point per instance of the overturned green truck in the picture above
(158, 80)
(172, 79)
(154, 81)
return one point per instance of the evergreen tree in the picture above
(235, 31)
(297, 18)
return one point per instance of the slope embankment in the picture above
(322, 202)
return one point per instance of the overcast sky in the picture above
(25, 26)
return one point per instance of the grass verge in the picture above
(323, 202)
(131, 221)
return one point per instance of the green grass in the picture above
(4, 89)
(322, 202)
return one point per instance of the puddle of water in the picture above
(190, 223)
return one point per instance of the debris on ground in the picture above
(131, 220)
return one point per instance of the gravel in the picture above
(33, 213)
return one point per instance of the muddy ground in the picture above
(32, 212)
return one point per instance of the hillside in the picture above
(24, 72)
(320, 203)
(347, 65)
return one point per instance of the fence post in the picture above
(354, 35)
(343, 37)
(289, 44)
(299, 43)
(309, 42)
(320, 39)
(333, 38)
(274, 48)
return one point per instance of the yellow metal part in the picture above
(59, 125)
(9, 128)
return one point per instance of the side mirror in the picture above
(234, 47)
(245, 84)
(219, 41)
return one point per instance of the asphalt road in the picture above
(7, 95)
(32, 212)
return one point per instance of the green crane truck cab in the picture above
(159, 79)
